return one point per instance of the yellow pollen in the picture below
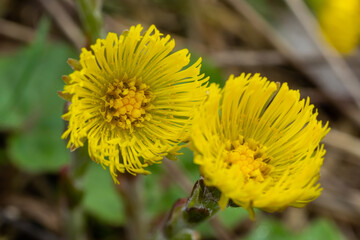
(248, 158)
(126, 102)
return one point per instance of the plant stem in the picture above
(130, 189)
(91, 17)
(72, 186)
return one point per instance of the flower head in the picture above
(132, 99)
(259, 144)
(340, 22)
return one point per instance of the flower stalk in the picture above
(72, 187)
(90, 15)
(130, 190)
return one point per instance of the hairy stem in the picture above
(130, 190)
(72, 187)
(91, 17)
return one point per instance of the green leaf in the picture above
(275, 229)
(101, 199)
(33, 77)
(17, 78)
(9, 119)
(321, 229)
(270, 229)
(41, 148)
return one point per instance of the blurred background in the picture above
(311, 44)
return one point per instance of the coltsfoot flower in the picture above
(340, 22)
(259, 144)
(132, 99)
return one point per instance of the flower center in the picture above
(127, 103)
(247, 157)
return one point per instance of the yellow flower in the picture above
(259, 144)
(340, 23)
(132, 99)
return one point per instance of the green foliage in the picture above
(231, 217)
(40, 148)
(29, 104)
(215, 73)
(13, 118)
(209, 69)
(189, 168)
(101, 198)
(159, 193)
(269, 229)
(320, 229)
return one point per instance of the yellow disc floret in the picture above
(248, 159)
(126, 103)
